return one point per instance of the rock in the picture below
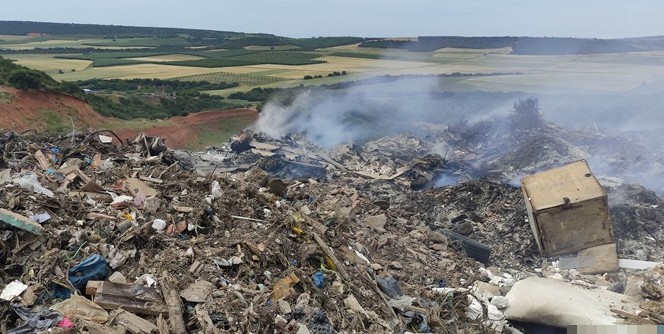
(376, 266)
(376, 222)
(463, 228)
(284, 307)
(117, 277)
(474, 310)
(500, 302)
(151, 205)
(483, 287)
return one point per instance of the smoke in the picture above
(416, 105)
(622, 138)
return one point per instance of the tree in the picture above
(526, 114)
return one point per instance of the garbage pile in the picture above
(101, 235)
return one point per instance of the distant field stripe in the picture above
(241, 78)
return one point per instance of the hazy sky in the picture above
(365, 18)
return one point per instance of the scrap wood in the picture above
(329, 160)
(168, 169)
(250, 219)
(43, 161)
(330, 254)
(162, 325)
(205, 321)
(150, 179)
(183, 209)
(133, 323)
(172, 297)
(395, 321)
(95, 328)
(133, 231)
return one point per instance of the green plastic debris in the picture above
(20, 222)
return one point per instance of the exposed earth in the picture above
(47, 112)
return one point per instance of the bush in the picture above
(25, 79)
(526, 114)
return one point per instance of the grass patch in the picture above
(53, 121)
(219, 132)
(7, 97)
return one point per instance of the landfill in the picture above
(107, 235)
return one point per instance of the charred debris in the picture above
(398, 234)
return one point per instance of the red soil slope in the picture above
(50, 112)
(45, 111)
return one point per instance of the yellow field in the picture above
(167, 58)
(49, 64)
(56, 43)
(14, 38)
(137, 71)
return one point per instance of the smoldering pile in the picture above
(397, 233)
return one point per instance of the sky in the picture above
(363, 18)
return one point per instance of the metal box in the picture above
(567, 209)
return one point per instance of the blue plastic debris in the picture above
(94, 268)
(319, 279)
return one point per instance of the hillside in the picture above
(44, 111)
(53, 112)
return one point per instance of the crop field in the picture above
(33, 43)
(14, 38)
(166, 58)
(256, 65)
(286, 47)
(142, 71)
(49, 64)
(136, 42)
(244, 79)
(223, 59)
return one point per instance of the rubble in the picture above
(283, 236)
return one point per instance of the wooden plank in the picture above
(183, 209)
(43, 161)
(134, 298)
(205, 321)
(133, 323)
(174, 303)
(95, 328)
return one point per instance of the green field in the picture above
(250, 80)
